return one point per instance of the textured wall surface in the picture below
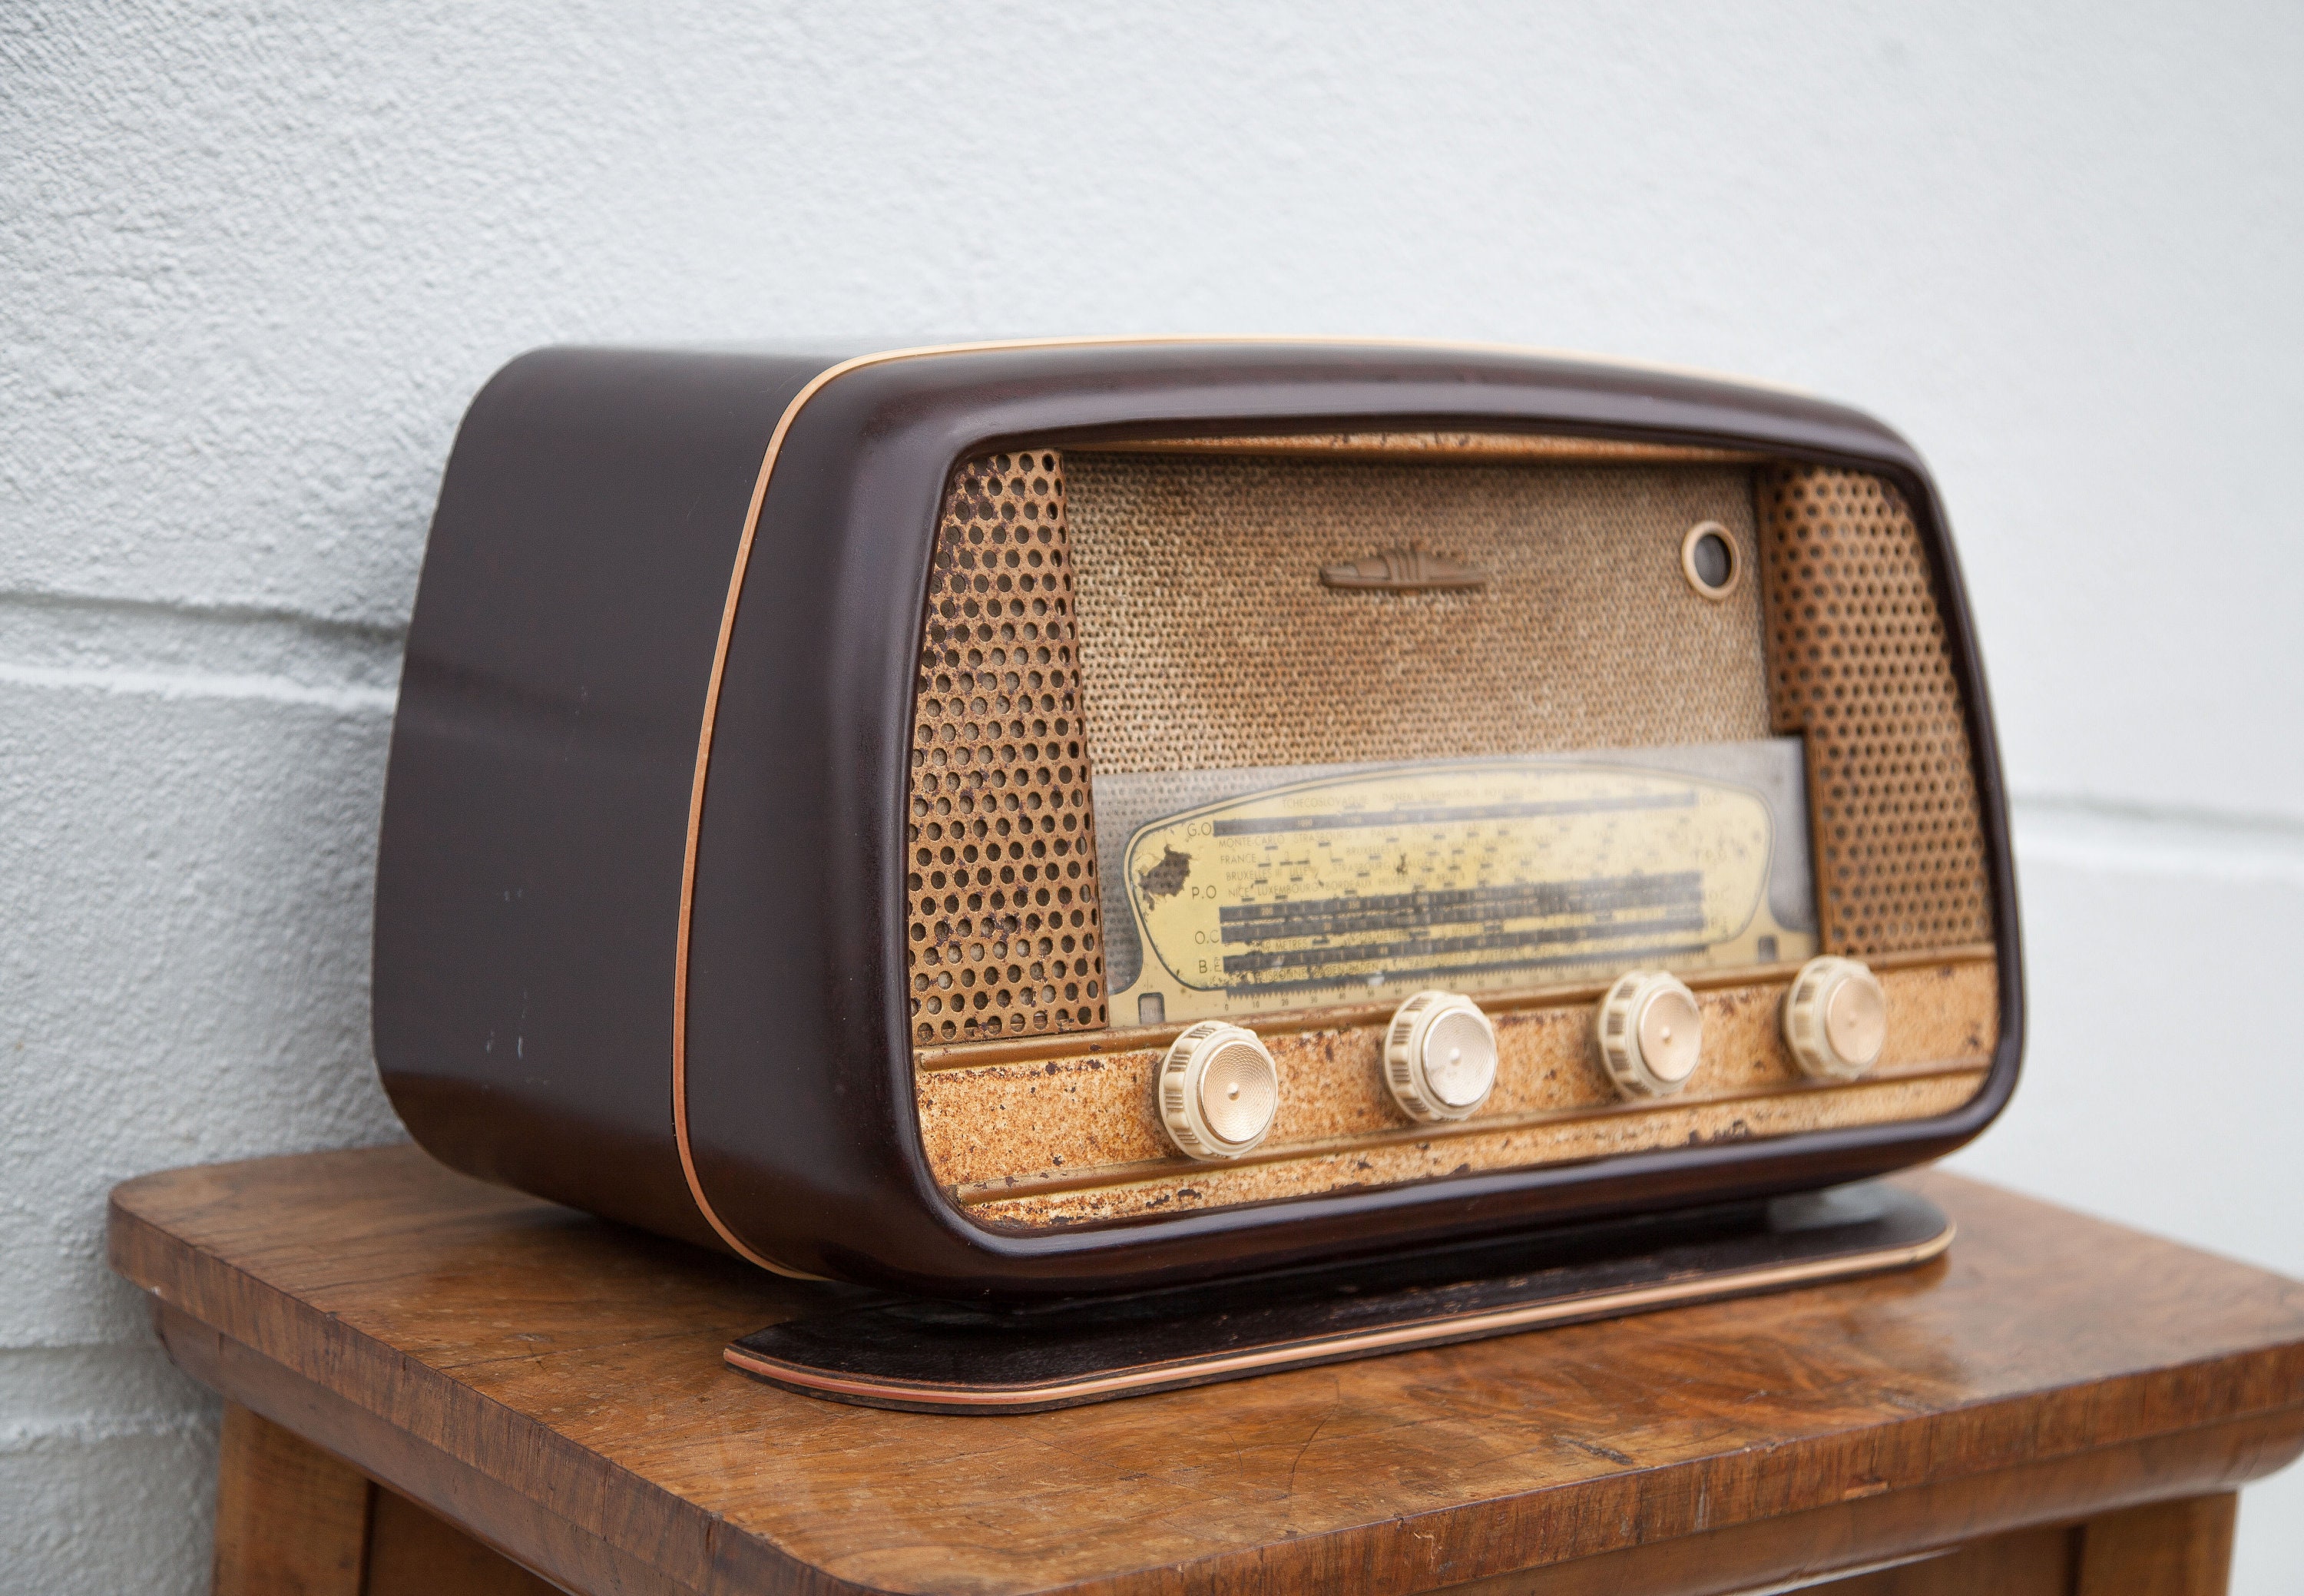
(253, 261)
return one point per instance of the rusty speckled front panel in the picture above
(1004, 936)
(1077, 1138)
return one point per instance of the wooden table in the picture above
(2059, 1405)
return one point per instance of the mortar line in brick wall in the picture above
(132, 609)
(203, 684)
(2158, 839)
(79, 643)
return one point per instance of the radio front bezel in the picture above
(828, 1174)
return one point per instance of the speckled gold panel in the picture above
(1002, 926)
(1858, 662)
(1633, 1128)
(1069, 1139)
(1209, 641)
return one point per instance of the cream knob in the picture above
(1440, 1057)
(1650, 1033)
(1835, 1019)
(1219, 1090)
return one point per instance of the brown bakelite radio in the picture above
(1051, 818)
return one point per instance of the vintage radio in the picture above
(1035, 819)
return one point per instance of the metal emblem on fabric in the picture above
(1409, 570)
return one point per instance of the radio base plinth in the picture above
(937, 1356)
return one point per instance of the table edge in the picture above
(196, 1286)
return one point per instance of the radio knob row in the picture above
(1220, 1091)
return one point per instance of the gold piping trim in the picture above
(1400, 1338)
(736, 586)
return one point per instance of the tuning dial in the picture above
(1835, 1019)
(1440, 1057)
(1219, 1090)
(1650, 1033)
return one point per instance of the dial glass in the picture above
(1296, 888)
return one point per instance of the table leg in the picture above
(293, 1521)
(290, 1519)
(2169, 1549)
(414, 1552)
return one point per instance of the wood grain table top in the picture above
(555, 1385)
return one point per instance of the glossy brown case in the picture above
(639, 903)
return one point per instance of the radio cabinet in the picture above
(1029, 819)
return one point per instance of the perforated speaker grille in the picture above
(1003, 932)
(1857, 662)
(1210, 640)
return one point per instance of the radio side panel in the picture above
(536, 804)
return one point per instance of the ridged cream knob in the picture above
(1440, 1057)
(1835, 1019)
(1650, 1033)
(1219, 1090)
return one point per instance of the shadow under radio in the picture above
(947, 1358)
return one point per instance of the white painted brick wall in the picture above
(253, 262)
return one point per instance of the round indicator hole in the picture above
(1710, 559)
